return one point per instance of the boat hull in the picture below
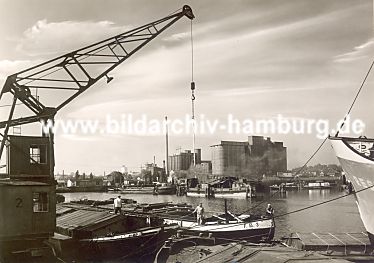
(220, 193)
(359, 169)
(256, 231)
(139, 245)
(166, 190)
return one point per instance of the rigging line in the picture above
(324, 202)
(299, 171)
(337, 133)
(323, 142)
(295, 211)
(354, 100)
(9, 105)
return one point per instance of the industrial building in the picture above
(249, 159)
(183, 160)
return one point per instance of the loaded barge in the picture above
(95, 233)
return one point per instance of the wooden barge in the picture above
(87, 233)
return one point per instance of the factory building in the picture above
(183, 160)
(249, 159)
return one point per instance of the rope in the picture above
(299, 171)
(9, 105)
(323, 142)
(354, 100)
(322, 203)
(278, 216)
(296, 211)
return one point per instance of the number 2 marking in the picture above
(19, 202)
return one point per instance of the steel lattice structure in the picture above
(77, 71)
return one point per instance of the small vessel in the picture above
(97, 234)
(356, 156)
(138, 190)
(222, 188)
(274, 187)
(165, 189)
(290, 186)
(318, 185)
(128, 246)
(254, 228)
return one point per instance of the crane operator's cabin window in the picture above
(38, 154)
(40, 201)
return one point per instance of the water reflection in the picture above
(318, 194)
(338, 216)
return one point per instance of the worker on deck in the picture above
(199, 210)
(269, 210)
(117, 205)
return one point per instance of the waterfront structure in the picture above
(153, 173)
(250, 159)
(205, 167)
(183, 160)
(115, 178)
(84, 182)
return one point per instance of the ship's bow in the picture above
(356, 158)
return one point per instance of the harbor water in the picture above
(335, 217)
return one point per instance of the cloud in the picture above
(244, 52)
(44, 38)
(177, 37)
(359, 52)
(261, 90)
(9, 67)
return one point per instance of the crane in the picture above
(73, 73)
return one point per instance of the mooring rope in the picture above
(354, 100)
(323, 202)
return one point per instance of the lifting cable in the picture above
(193, 97)
(192, 55)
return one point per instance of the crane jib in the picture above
(77, 71)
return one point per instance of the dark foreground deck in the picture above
(298, 247)
(331, 243)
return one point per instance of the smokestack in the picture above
(167, 146)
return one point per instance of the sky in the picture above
(257, 59)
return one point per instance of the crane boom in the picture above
(76, 71)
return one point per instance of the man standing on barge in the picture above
(199, 210)
(117, 205)
(270, 211)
